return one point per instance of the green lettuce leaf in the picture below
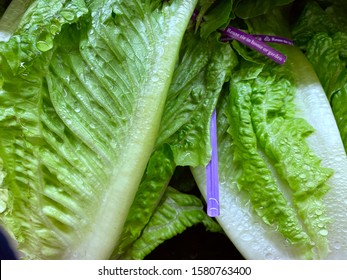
(322, 34)
(315, 19)
(83, 88)
(278, 145)
(174, 214)
(101, 101)
(246, 9)
(159, 171)
(202, 69)
(213, 15)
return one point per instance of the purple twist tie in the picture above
(212, 180)
(255, 44)
(274, 39)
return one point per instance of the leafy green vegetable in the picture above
(213, 15)
(82, 92)
(249, 9)
(322, 34)
(101, 101)
(261, 117)
(269, 162)
(202, 68)
(174, 214)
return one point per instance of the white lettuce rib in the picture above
(327, 144)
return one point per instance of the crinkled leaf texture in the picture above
(83, 86)
(322, 34)
(173, 215)
(204, 66)
(202, 69)
(282, 165)
(310, 223)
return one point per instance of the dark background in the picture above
(196, 243)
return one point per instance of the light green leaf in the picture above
(260, 115)
(176, 212)
(158, 173)
(36, 30)
(279, 161)
(203, 67)
(192, 93)
(79, 120)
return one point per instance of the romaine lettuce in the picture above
(83, 87)
(322, 34)
(102, 100)
(202, 69)
(281, 158)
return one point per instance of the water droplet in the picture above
(155, 78)
(337, 245)
(68, 15)
(92, 126)
(298, 155)
(44, 42)
(160, 50)
(77, 109)
(307, 167)
(321, 225)
(68, 121)
(269, 256)
(246, 237)
(44, 45)
(240, 228)
(319, 212)
(54, 29)
(323, 232)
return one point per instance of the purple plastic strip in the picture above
(255, 44)
(212, 180)
(274, 39)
